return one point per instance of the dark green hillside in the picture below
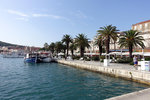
(7, 44)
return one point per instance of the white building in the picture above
(144, 28)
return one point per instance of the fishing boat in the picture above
(38, 57)
(32, 58)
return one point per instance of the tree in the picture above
(99, 41)
(67, 40)
(46, 46)
(108, 32)
(72, 48)
(131, 39)
(58, 47)
(64, 49)
(81, 41)
(52, 47)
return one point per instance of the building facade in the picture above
(144, 28)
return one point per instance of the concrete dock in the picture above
(125, 71)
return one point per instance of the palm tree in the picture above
(52, 47)
(67, 40)
(46, 46)
(108, 32)
(64, 49)
(99, 41)
(81, 41)
(72, 48)
(58, 47)
(131, 39)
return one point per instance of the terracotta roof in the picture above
(141, 22)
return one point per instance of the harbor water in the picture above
(52, 81)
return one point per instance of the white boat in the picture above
(13, 55)
(46, 57)
(47, 60)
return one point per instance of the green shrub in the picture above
(124, 60)
(147, 58)
(132, 63)
(95, 58)
(76, 57)
(102, 57)
(86, 58)
(101, 60)
(111, 57)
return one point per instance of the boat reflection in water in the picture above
(45, 57)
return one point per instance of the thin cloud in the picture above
(26, 17)
(17, 13)
(48, 15)
(40, 15)
(23, 19)
(51, 16)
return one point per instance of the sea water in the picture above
(52, 81)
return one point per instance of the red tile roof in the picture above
(141, 22)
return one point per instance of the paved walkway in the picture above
(112, 65)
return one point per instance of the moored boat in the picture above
(31, 58)
(38, 58)
(47, 60)
(46, 57)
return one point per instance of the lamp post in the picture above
(121, 52)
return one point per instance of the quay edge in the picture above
(133, 75)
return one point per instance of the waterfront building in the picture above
(144, 28)
(93, 50)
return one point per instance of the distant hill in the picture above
(7, 44)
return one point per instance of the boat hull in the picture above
(30, 60)
(47, 60)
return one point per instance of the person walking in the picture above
(135, 60)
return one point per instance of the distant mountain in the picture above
(7, 44)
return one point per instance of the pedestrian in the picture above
(135, 60)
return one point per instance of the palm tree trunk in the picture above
(130, 51)
(64, 52)
(82, 52)
(100, 50)
(67, 49)
(72, 53)
(57, 54)
(107, 45)
(53, 51)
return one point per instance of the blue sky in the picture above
(34, 22)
